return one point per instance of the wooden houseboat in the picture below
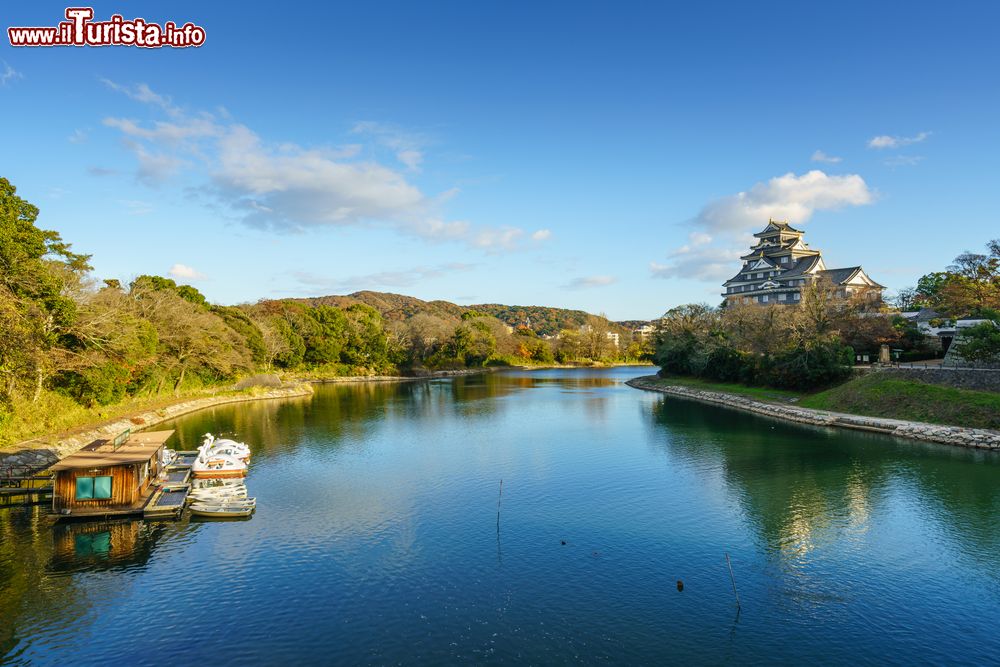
(109, 478)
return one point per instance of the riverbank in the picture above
(948, 435)
(49, 448)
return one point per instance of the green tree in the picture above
(36, 268)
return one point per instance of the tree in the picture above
(367, 344)
(190, 338)
(35, 265)
(981, 343)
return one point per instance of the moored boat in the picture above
(221, 512)
(218, 466)
(237, 450)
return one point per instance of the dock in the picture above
(167, 502)
(24, 485)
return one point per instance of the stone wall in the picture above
(981, 379)
(947, 435)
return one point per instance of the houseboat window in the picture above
(93, 488)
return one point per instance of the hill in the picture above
(543, 320)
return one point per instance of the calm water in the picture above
(375, 540)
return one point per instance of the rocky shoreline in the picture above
(947, 435)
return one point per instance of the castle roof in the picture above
(845, 275)
(776, 226)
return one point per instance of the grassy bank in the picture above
(54, 413)
(758, 393)
(878, 395)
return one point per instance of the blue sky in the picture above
(605, 156)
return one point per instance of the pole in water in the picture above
(733, 579)
(498, 505)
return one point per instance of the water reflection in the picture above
(99, 545)
(804, 486)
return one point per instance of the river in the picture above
(376, 539)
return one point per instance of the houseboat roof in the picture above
(139, 447)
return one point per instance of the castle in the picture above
(780, 265)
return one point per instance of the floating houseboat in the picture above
(109, 478)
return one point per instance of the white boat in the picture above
(212, 505)
(228, 447)
(211, 465)
(222, 512)
(246, 502)
(234, 493)
(217, 484)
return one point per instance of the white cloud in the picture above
(886, 141)
(288, 187)
(724, 226)
(411, 158)
(787, 197)
(171, 132)
(903, 161)
(407, 145)
(78, 137)
(588, 282)
(820, 156)
(136, 207)
(541, 235)
(9, 74)
(393, 279)
(185, 272)
(143, 93)
(154, 168)
(706, 264)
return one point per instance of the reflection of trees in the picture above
(36, 557)
(800, 486)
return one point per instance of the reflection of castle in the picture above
(781, 265)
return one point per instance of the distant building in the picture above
(645, 331)
(781, 264)
(613, 337)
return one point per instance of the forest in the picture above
(71, 338)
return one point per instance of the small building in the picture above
(780, 265)
(109, 477)
(938, 330)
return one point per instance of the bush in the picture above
(98, 385)
(725, 365)
(811, 367)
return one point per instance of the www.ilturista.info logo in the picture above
(81, 30)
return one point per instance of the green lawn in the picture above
(878, 395)
(760, 393)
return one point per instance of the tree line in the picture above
(68, 335)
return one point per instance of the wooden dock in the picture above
(167, 502)
(24, 485)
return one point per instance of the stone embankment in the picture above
(948, 435)
(46, 451)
